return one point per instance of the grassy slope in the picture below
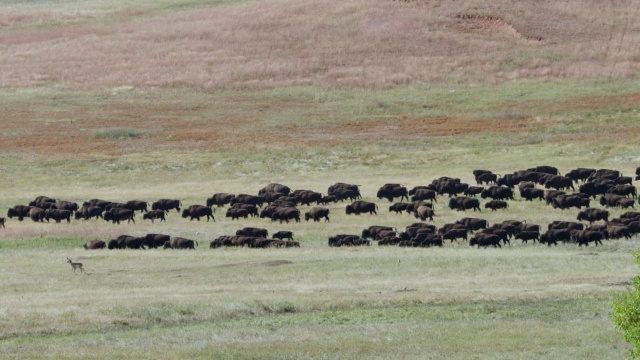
(314, 302)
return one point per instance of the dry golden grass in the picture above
(351, 43)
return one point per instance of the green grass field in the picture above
(256, 105)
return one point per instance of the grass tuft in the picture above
(117, 134)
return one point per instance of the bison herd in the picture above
(578, 188)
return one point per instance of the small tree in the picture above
(626, 313)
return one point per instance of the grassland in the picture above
(182, 99)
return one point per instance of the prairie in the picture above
(182, 99)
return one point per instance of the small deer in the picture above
(75, 266)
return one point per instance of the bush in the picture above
(117, 133)
(626, 313)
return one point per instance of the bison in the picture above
(116, 215)
(19, 211)
(198, 211)
(359, 207)
(462, 203)
(180, 243)
(424, 212)
(591, 215)
(166, 205)
(317, 213)
(94, 245)
(496, 204)
(153, 241)
(219, 199)
(155, 214)
(283, 235)
(88, 212)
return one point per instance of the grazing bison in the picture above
(275, 188)
(580, 174)
(37, 214)
(283, 235)
(180, 243)
(88, 212)
(611, 200)
(532, 193)
(155, 214)
(487, 178)
(126, 242)
(317, 213)
(623, 190)
(341, 188)
(198, 211)
(464, 203)
(391, 191)
(591, 215)
(166, 205)
(94, 245)
(559, 182)
(496, 204)
(19, 211)
(219, 199)
(372, 231)
(43, 202)
(116, 215)
(253, 231)
(424, 212)
(306, 197)
(153, 241)
(58, 215)
(359, 207)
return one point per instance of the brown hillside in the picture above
(349, 43)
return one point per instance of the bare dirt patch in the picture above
(492, 26)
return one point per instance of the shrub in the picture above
(117, 133)
(626, 313)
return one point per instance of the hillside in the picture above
(351, 43)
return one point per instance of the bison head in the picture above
(348, 209)
(307, 216)
(453, 204)
(185, 213)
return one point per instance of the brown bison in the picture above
(166, 205)
(317, 213)
(359, 207)
(198, 211)
(94, 245)
(154, 214)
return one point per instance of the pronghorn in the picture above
(75, 266)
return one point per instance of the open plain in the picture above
(183, 99)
